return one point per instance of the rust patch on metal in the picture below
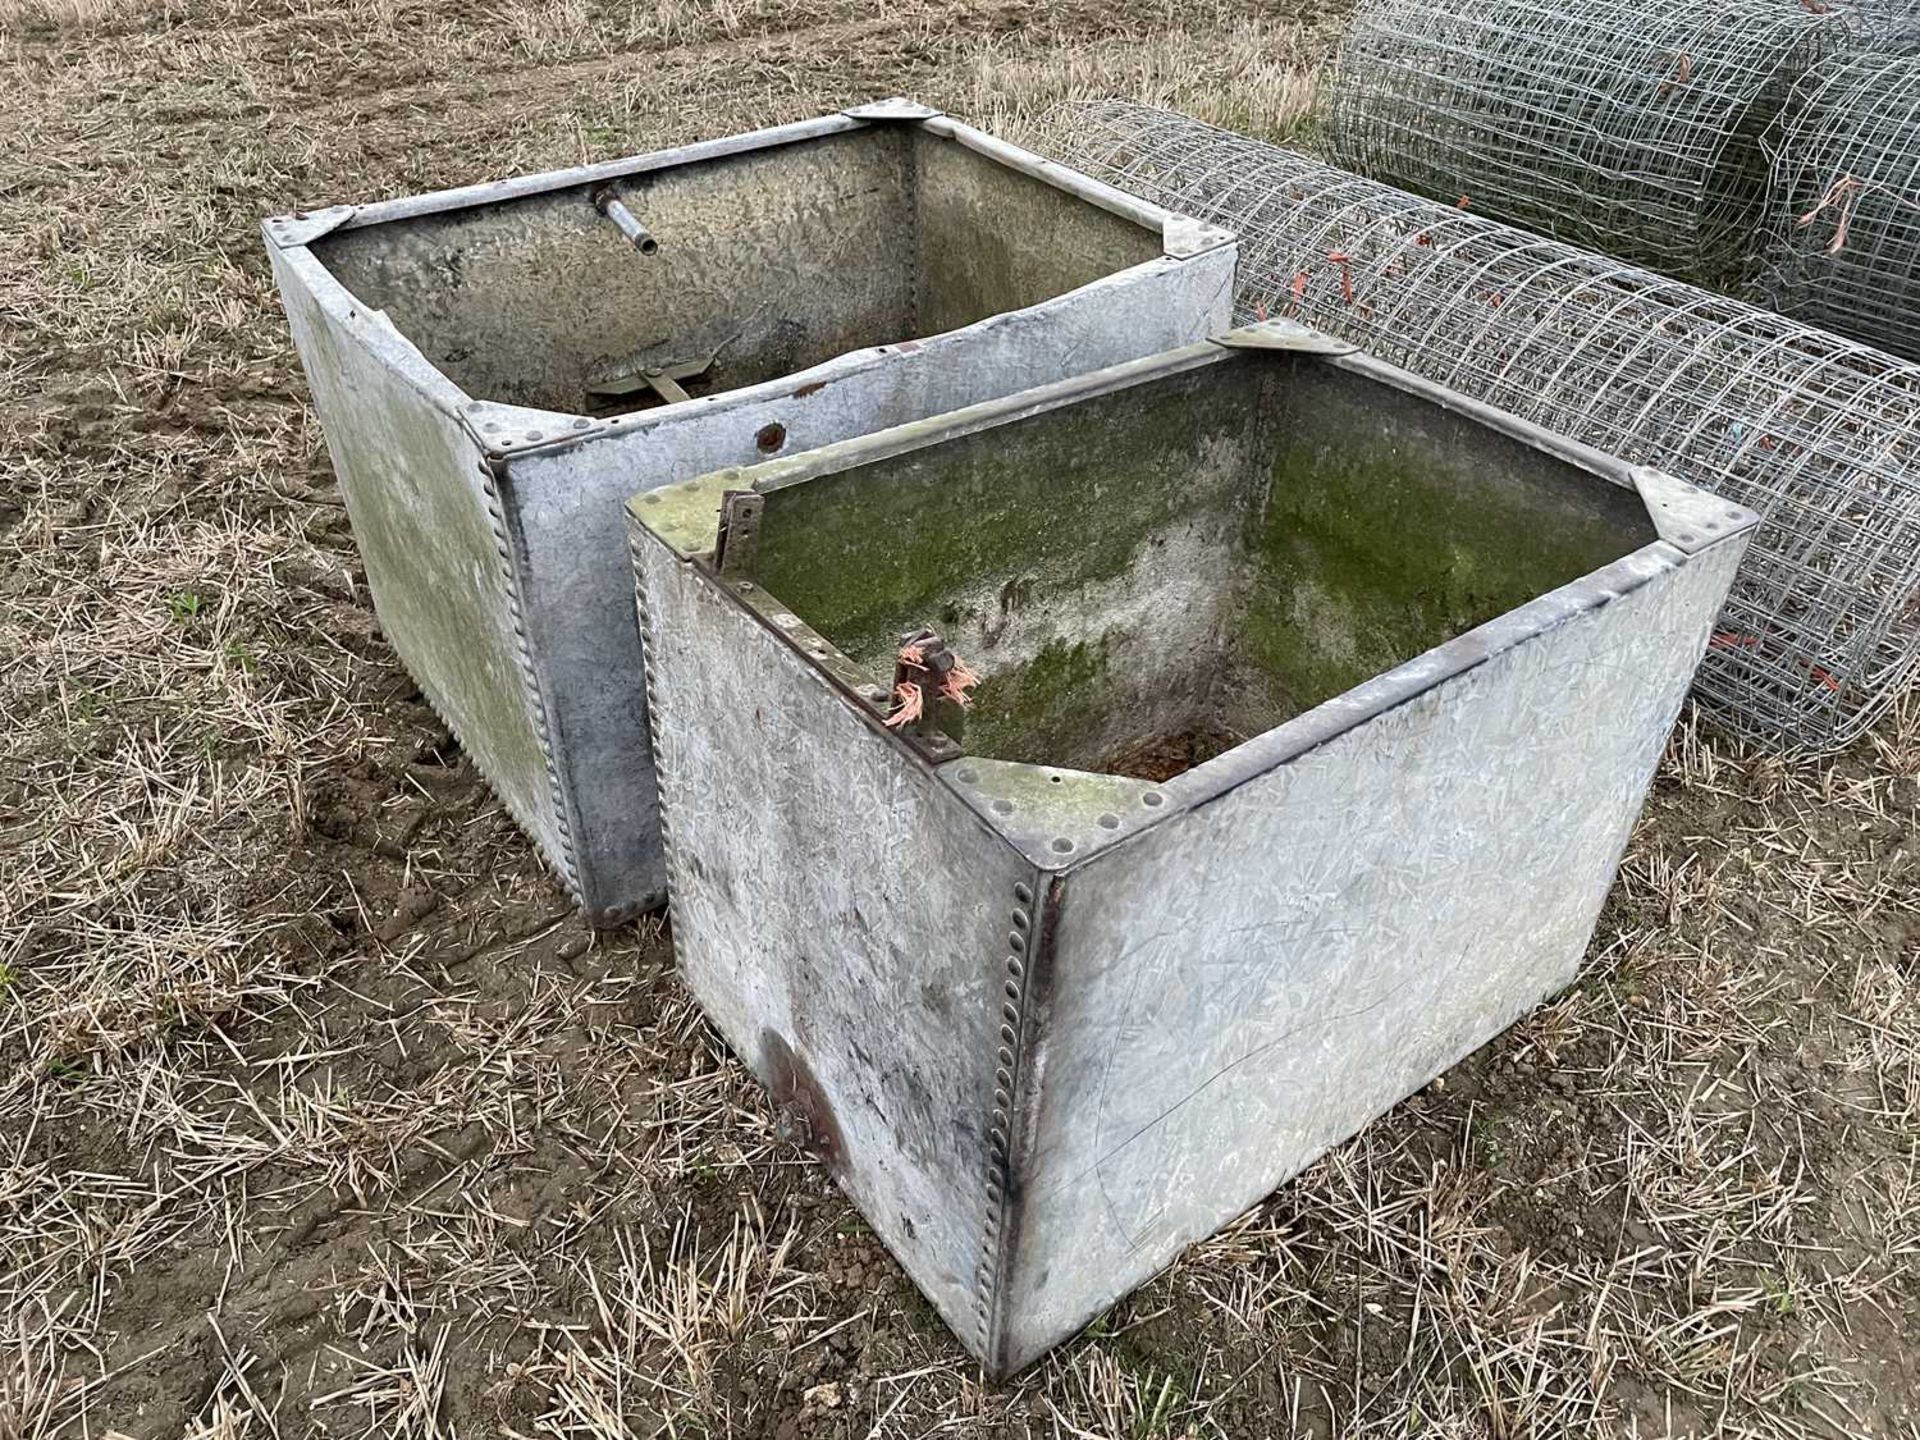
(814, 389)
(801, 1112)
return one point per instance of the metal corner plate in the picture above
(1284, 335)
(1055, 818)
(1685, 516)
(303, 227)
(1185, 237)
(894, 107)
(505, 429)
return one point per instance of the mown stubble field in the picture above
(320, 1114)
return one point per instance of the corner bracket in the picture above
(894, 107)
(1284, 335)
(1685, 516)
(303, 227)
(739, 533)
(1184, 237)
(504, 429)
(1054, 817)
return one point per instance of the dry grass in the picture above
(1259, 74)
(320, 1116)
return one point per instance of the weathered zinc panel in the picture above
(1203, 982)
(568, 502)
(975, 225)
(1242, 986)
(428, 521)
(841, 917)
(760, 255)
(504, 587)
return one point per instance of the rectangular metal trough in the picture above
(1313, 706)
(498, 368)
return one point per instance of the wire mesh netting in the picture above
(1843, 204)
(1632, 126)
(1898, 29)
(1818, 434)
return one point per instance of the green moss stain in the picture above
(1029, 512)
(1356, 527)
(687, 515)
(1044, 707)
(1372, 550)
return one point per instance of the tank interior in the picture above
(768, 262)
(1144, 579)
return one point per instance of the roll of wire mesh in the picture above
(1843, 202)
(1630, 126)
(1819, 434)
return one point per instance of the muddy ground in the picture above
(320, 1113)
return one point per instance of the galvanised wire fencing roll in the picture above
(1843, 201)
(1898, 25)
(1631, 126)
(1819, 434)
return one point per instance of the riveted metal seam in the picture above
(661, 733)
(1031, 903)
(561, 856)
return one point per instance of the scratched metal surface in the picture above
(509, 597)
(841, 917)
(1242, 986)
